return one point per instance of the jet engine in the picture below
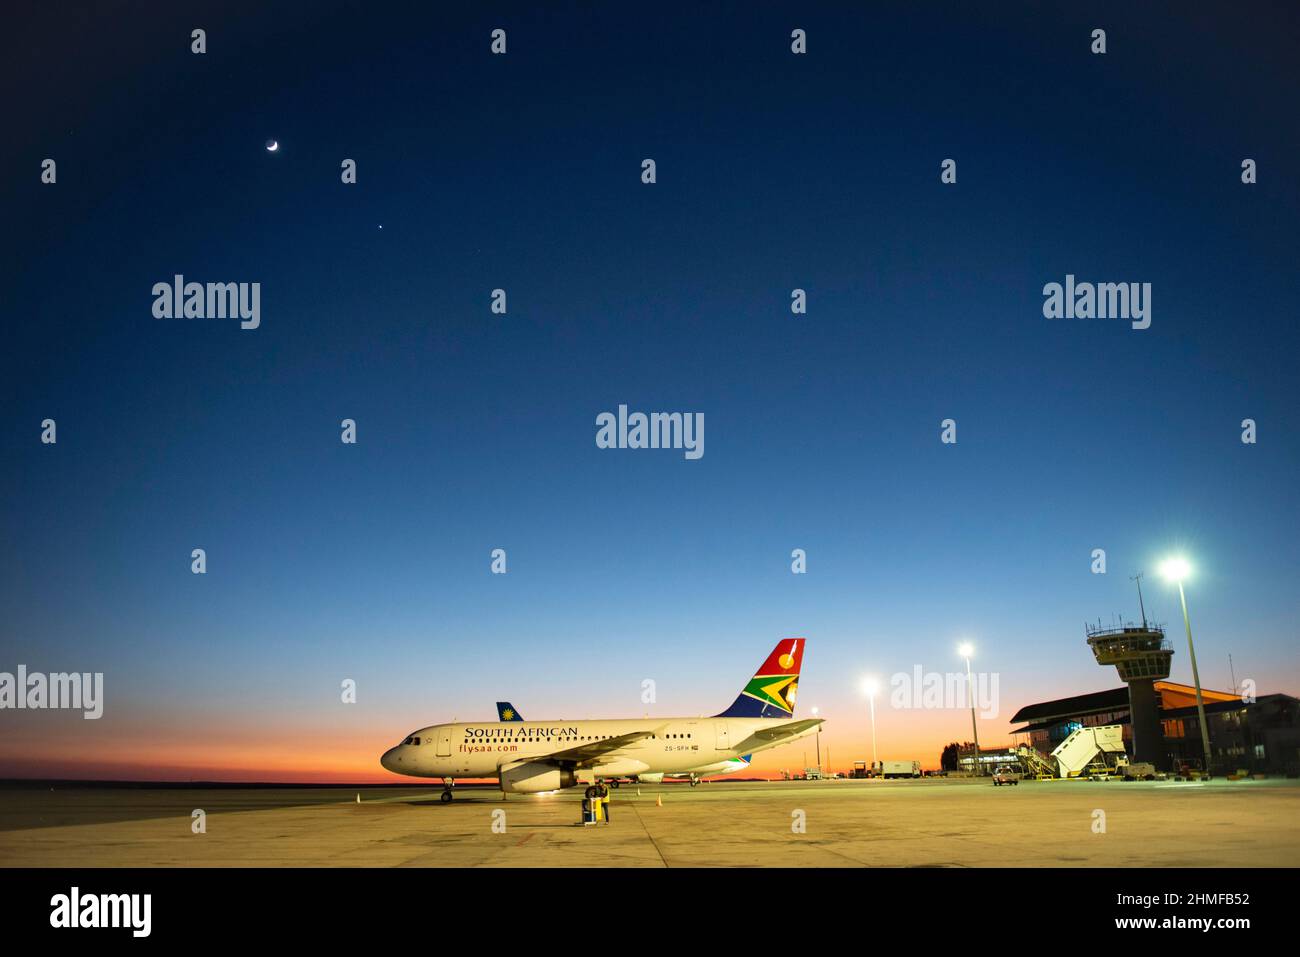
(529, 777)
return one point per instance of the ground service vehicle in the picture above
(1007, 774)
(901, 769)
(1138, 771)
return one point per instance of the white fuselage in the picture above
(676, 746)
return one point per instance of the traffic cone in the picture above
(358, 797)
(659, 801)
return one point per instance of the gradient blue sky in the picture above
(477, 431)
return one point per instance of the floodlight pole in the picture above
(872, 699)
(970, 688)
(1196, 679)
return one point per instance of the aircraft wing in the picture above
(591, 753)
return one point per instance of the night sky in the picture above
(476, 431)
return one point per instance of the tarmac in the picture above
(845, 823)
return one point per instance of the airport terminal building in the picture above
(1258, 736)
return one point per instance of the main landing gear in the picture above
(447, 784)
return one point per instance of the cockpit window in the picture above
(415, 740)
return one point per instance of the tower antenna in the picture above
(1138, 578)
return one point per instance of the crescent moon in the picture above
(272, 146)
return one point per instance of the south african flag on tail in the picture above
(772, 691)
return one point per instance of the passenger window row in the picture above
(594, 737)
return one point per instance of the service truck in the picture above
(1137, 771)
(901, 769)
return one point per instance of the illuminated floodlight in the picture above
(1175, 569)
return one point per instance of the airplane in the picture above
(528, 757)
(508, 712)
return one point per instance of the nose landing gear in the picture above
(447, 784)
(695, 781)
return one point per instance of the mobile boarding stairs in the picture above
(1097, 750)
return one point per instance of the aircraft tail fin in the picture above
(772, 691)
(508, 712)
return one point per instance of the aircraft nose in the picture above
(390, 760)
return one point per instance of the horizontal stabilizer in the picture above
(787, 730)
(772, 737)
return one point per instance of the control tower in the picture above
(1141, 654)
